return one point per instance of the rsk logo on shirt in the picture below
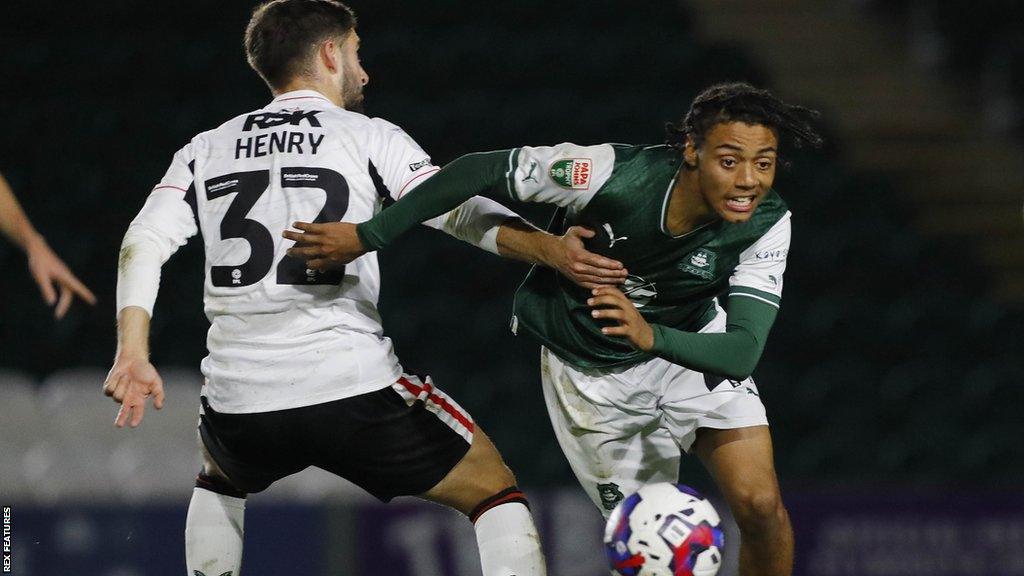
(573, 173)
(271, 119)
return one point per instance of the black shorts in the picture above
(400, 440)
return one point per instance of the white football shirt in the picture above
(283, 336)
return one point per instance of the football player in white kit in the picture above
(299, 372)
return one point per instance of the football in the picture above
(664, 530)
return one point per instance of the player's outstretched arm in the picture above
(450, 191)
(338, 243)
(733, 353)
(46, 267)
(490, 226)
(479, 174)
(133, 379)
(325, 246)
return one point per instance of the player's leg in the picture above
(215, 523)
(242, 453)
(741, 462)
(411, 439)
(725, 424)
(482, 487)
(608, 429)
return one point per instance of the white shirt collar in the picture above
(301, 95)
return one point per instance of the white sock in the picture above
(508, 541)
(213, 534)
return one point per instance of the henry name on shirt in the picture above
(287, 141)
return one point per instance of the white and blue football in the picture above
(664, 530)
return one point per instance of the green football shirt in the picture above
(622, 193)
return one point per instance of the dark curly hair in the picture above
(741, 102)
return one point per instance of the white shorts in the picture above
(622, 428)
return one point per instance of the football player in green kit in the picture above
(635, 375)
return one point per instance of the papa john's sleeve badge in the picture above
(572, 173)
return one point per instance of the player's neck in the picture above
(305, 84)
(687, 208)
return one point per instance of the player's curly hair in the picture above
(741, 102)
(282, 33)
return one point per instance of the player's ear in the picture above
(329, 54)
(690, 153)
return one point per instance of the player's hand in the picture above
(129, 383)
(325, 246)
(583, 267)
(49, 270)
(609, 303)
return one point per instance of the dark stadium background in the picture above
(892, 377)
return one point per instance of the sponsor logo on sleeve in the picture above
(572, 173)
(772, 255)
(417, 165)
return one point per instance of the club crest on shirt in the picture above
(572, 173)
(700, 262)
(610, 495)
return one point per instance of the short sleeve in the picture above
(759, 272)
(567, 175)
(398, 161)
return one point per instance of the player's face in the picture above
(736, 168)
(354, 77)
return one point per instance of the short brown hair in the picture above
(282, 34)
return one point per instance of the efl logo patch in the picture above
(573, 173)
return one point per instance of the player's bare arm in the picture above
(133, 379)
(335, 244)
(48, 270)
(520, 241)
(164, 223)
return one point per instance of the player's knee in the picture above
(489, 468)
(218, 484)
(510, 495)
(499, 475)
(758, 509)
(489, 477)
